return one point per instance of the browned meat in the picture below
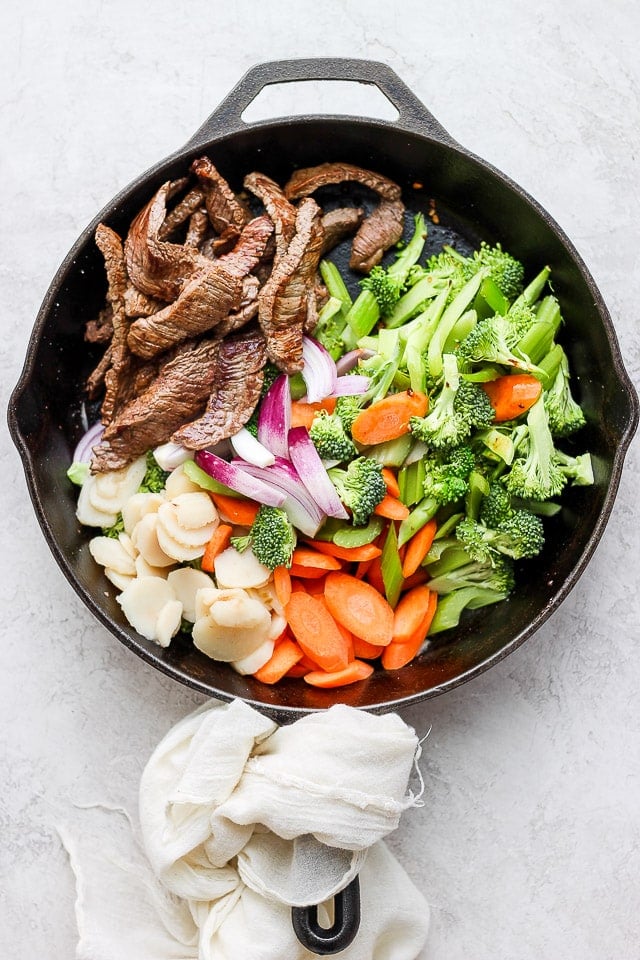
(96, 379)
(210, 296)
(338, 224)
(379, 231)
(247, 310)
(239, 379)
(178, 393)
(100, 330)
(138, 304)
(110, 246)
(181, 212)
(283, 301)
(197, 229)
(307, 180)
(156, 267)
(227, 215)
(277, 206)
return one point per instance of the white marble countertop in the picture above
(528, 845)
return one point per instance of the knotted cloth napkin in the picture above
(241, 819)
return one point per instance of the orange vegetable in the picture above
(410, 613)
(356, 554)
(285, 655)
(392, 508)
(315, 585)
(306, 573)
(389, 418)
(359, 607)
(282, 585)
(391, 482)
(374, 575)
(512, 394)
(233, 510)
(363, 569)
(304, 557)
(398, 654)
(365, 650)
(420, 576)
(316, 631)
(303, 414)
(219, 542)
(297, 586)
(352, 673)
(418, 547)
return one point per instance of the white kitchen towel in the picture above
(240, 820)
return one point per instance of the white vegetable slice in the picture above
(168, 622)
(267, 595)
(225, 643)
(89, 515)
(111, 490)
(144, 569)
(169, 520)
(170, 455)
(173, 548)
(234, 569)
(250, 449)
(178, 482)
(145, 539)
(203, 600)
(255, 660)
(186, 583)
(195, 510)
(234, 608)
(278, 624)
(138, 506)
(142, 602)
(109, 552)
(118, 579)
(127, 543)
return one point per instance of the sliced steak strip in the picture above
(338, 224)
(181, 212)
(95, 380)
(283, 301)
(197, 229)
(156, 267)
(379, 231)
(239, 378)
(110, 246)
(306, 181)
(227, 215)
(277, 206)
(177, 394)
(247, 310)
(214, 292)
(138, 304)
(100, 330)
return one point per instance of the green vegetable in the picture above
(459, 407)
(114, 531)
(348, 536)
(564, 414)
(411, 482)
(360, 487)
(155, 478)
(78, 472)
(391, 567)
(536, 475)
(329, 438)
(271, 537)
(520, 536)
(387, 284)
(421, 514)
(456, 569)
(446, 480)
(202, 479)
(451, 606)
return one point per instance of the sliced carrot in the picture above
(219, 542)
(348, 636)
(418, 547)
(389, 418)
(352, 673)
(282, 585)
(297, 586)
(374, 575)
(359, 607)
(391, 482)
(362, 569)
(356, 554)
(306, 573)
(398, 654)
(303, 414)
(512, 394)
(315, 585)
(242, 512)
(316, 631)
(304, 557)
(365, 650)
(392, 508)
(410, 613)
(284, 656)
(420, 576)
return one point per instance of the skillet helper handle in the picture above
(325, 941)
(413, 115)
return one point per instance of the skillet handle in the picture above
(329, 940)
(413, 115)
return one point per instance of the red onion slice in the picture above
(350, 385)
(239, 478)
(311, 471)
(274, 419)
(350, 360)
(84, 447)
(303, 512)
(319, 370)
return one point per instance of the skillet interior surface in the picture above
(47, 413)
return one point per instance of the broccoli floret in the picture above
(504, 270)
(521, 319)
(565, 415)
(329, 438)
(271, 537)
(114, 531)
(347, 409)
(384, 286)
(155, 477)
(536, 475)
(496, 506)
(446, 481)
(360, 487)
(579, 470)
(491, 341)
(496, 574)
(459, 407)
(519, 537)
(387, 284)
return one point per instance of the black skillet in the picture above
(474, 201)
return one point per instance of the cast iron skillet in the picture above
(474, 201)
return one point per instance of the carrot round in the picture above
(410, 613)
(314, 585)
(303, 414)
(512, 395)
(367, 552)
(389, 418)
(359, 607)
(352, 673)
(316, 631)
(417, 578)
(392, 508)
(365, 650)
(282, 585)
(398, 654)
(391, 482)
(418, 547)
(285, 655)
(219, 542)
(306, 573)
(304, 557)
(242, 512)
(374, 575)
(362, 569)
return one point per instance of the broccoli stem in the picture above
(450, 606)
(532, 292)
(426, 509)
(538, 339)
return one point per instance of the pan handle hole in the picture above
(320, 97)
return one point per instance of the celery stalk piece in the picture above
(499, 443)
(411, 483)
(448, 526)
(461, 329)
(393, 453)
(411, 301)
(418, 332)
(426, 509)
(348, 536)
(416, 370)
(202, 479)
(391, 567)
(451, 315)
(334, 283)
(450, 607)
(361, 318)
(532, 292)
(493, 296)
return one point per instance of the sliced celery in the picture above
(426, 509)
(202, 479)
(411, 483)
(348, 536)
(391, 567)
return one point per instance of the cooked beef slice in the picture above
(238, 382)
(283, 301)
(306, 181)
(181, 212)
(197, 229)
(227, 214)
(156, 267)
(110, 246)
(209, 297)
(100, 330)
(338, 224)
(138, 304)
(95, 380)
(177, 394)
(247, 310)
(379, 231)
(277, 206)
